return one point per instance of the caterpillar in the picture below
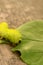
(6, 33)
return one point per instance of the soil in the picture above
(16, 13)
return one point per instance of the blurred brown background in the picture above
(17, 12)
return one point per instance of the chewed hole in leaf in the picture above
(18, 53)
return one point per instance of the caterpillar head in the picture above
(3, 25)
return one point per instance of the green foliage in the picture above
(31, 47)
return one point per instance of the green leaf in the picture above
(31, 46)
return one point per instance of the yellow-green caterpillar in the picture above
(13, 35)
